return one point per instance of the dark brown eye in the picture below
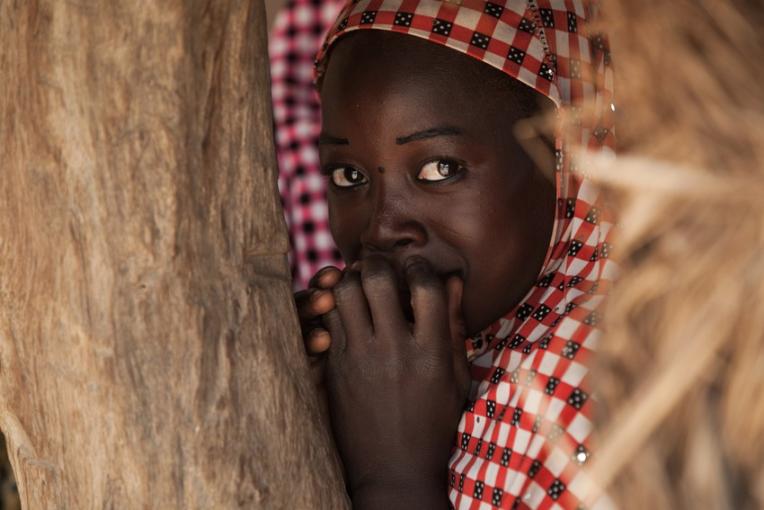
(347, 177)
(438, 170)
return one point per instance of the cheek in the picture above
(346, 225)
(499, 276)
(506, 237)
(484, 223)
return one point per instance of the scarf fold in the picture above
(526, 430)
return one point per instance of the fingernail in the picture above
(325, 271)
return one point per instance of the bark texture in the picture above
(149, 348)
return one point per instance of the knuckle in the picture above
(376, 263)
(378, 276)
(420, 272)
(418, 265)
(347, 284)
(426, 283)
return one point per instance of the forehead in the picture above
(378, 53)
(374, 65)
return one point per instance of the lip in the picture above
(442, 273)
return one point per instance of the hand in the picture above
(312, 303)
(396, 390)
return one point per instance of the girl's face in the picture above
(418, 146)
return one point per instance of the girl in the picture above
(450, 232)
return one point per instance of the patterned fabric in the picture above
(526, 430)
(297, 33)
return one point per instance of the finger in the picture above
(333, 323)
(428, 300)
(337, 349)
(301, 298)
(313, 303)
(326, 278)
(353, 308)
(318, 341)
(321, 301)
(317, 370)
(457, 327)
(380, 285)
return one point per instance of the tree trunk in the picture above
(149, 350)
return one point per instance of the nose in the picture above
(393, 224)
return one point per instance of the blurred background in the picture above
(681, 364)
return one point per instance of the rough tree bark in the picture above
(149, 350)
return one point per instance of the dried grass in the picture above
(681, 366)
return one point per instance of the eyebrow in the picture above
(428, 133)
(325, 139)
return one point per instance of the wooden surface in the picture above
(149, 349)
(271, 8)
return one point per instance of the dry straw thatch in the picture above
(681, 366)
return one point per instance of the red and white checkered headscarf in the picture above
(525, 433)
